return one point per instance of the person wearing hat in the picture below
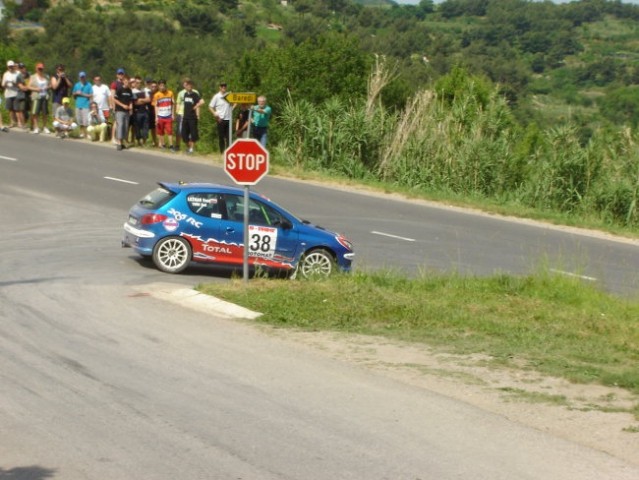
(115, 84)
(82, 93)
(63, 118)
(223, 113)
(123, 100)
(39, 85)
(10, 83)
(60, 86)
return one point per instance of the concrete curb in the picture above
(189, 298)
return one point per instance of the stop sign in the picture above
(246, 161)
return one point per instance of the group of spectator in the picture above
(128, 111)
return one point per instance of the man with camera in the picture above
(60, 86)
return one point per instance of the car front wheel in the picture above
(316, 264)
(172, 254)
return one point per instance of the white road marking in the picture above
(11, 159)
(569, 274)
(121, 180)
(393, 236)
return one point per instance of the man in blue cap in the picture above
(82, 92)
(117, 83)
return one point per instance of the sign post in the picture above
(246, 161)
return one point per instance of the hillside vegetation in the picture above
(528, 107)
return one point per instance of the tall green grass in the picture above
(462, 139)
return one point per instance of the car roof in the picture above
(180, 186)
(207, 187)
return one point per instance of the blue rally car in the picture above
(201, 222)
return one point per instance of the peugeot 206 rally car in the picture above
(182, 222)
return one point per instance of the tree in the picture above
(318, 68)
(197, 18)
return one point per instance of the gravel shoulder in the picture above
(592, 415)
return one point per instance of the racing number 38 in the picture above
(262, 241)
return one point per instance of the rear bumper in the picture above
(142, 241)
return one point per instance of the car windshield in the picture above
(156, 198)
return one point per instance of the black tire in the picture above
(172, 254)
(318, 263)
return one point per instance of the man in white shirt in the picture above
(10, 82)
(101, 94)
(223, 113)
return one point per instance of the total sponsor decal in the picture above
(211, 250)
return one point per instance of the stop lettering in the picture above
(246, 161)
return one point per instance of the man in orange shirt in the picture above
(164, 104)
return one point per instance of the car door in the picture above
(202, 226)
(272, 240)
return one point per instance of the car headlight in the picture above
(344, 242)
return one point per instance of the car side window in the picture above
(234, 207)
(259, 213)
(205, 204)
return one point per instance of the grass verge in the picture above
(552, 324)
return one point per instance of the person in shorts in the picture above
(10, 83)
(123, 101)
(164, 104)
(40, 85)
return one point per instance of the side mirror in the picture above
(284, 223)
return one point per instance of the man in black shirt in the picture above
(123, 100)
(192, 104)
(60, 86)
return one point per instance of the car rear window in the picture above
(156, 198)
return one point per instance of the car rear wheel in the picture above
(316, 264)
(172, 254)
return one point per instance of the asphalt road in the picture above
(99, 379)
(388, 233)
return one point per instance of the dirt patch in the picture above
(591, 415)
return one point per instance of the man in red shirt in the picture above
(164, 104)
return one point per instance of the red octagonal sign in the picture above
(246, 161)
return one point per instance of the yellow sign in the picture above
(247, 97)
